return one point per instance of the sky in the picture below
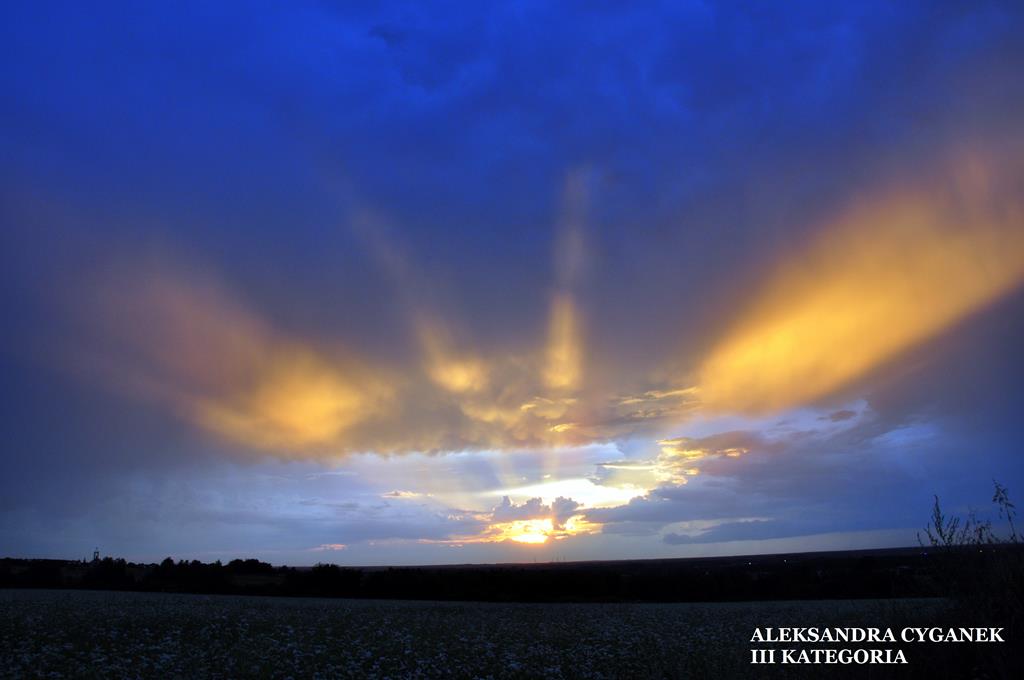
(474, 283)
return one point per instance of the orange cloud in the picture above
(298, 399)
(889, 274)
(171, 334)
(190, 344)
(564, 358)
(329, 547)
(448, 369)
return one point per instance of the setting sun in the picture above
(531, 531)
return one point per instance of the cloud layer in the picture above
(893, 272)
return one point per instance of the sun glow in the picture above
(583, 490)
(531, 531)
(537, 531)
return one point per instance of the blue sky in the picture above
(411, 284)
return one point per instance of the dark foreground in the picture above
(47, 633)
(892, 573)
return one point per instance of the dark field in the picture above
(842, 575)
(47, 633)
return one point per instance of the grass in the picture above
(127, 635)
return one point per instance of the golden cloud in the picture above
(168, 333)
(190, 344)
(564, 357)
(889, 274)
(678, 459)
(296, 400)
(447, 368)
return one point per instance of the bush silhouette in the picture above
(983, 574)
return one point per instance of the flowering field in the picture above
(115, 634)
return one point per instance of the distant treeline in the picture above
(908, 572)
